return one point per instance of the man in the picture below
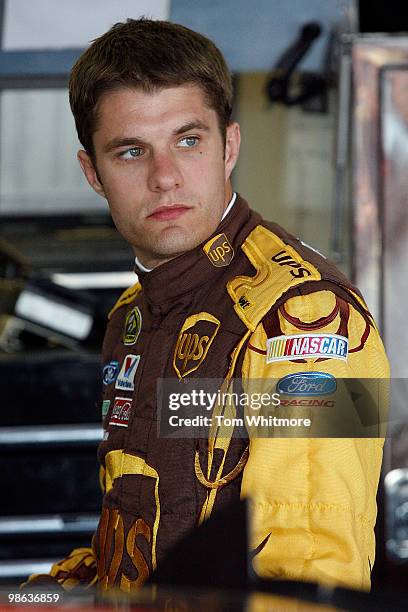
(222, 293)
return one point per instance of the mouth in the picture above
(166, 213)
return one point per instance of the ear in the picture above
(90, 172)
(232, 144)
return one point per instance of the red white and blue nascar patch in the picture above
(306, 346)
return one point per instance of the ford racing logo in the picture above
(110, 372)
(307, 383)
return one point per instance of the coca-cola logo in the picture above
(121, 412)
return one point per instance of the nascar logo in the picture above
(306, 346)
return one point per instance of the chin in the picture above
(175, 241)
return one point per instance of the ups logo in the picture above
(284, 259)
(193, 343)
(219, 251)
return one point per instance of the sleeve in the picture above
(78, 569)
(313, 499)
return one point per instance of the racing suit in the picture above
(234, 307)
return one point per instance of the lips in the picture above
(166, 213)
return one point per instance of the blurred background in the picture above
(321, 93)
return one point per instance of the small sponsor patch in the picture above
(219, 251)
(133, 325)
(105, 408)
(307, 383)
(121, 412)
(243, 302)
(309, 403)
(110, 371)
(306, 346)
(126, 376)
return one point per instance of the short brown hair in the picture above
(147, 55)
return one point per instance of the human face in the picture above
(161, 163)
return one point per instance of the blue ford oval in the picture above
(307, 383)
(110, 372)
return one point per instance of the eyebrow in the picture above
(192, 125)
(116, 143)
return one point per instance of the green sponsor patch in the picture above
(105, 408)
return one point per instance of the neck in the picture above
(147, 263)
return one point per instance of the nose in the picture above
(164, 173)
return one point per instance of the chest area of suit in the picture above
(143, 346)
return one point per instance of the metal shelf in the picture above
(51, 435)
(51, 524)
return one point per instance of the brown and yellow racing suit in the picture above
(228, 309)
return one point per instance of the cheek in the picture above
(118, 176)
(205, 170)
(121, 190)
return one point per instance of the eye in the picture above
(188, 141)
(131, 153)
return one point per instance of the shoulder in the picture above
(297, 299)
(269, 242)
(127, 297)
(284, 268)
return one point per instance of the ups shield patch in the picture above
(219, 251)
(193, 342)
